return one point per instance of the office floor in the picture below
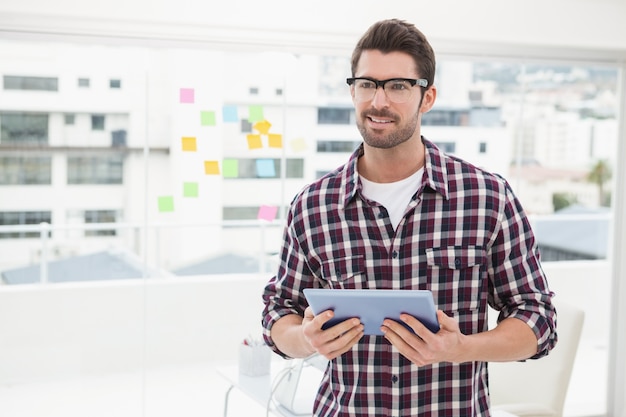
(194, 391)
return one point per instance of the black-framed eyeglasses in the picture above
(398, 90)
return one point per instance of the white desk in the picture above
(258, 388)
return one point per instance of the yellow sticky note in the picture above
(298, 144)
(263, 127)
(211, 168)
(275, 140)
(189, 144)
(254, 141)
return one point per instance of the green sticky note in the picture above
(255, 114)
(190, 189)
(230, 168)
(207, 118)
(166, 204)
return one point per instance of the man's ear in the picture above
(428, 101)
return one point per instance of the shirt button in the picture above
(394, 379)
(381, 214)
(457, 261)
(394, 254)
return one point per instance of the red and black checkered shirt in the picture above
(464, 236)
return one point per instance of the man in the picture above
(400, 214)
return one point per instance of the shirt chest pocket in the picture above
(456, 276)
(347, 273)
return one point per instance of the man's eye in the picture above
(398, 85)
(367, 85)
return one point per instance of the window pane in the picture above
(25, 170)
(23, 128)
(16, 82)
(95, 169)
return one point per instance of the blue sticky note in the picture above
(229, 114)
(265, 168)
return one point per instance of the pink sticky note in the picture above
(267, 213)
(187, 95)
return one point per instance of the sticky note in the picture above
(166, 204)
(265, 168)
(190, 189)
(254, 141)
(211, 168)
(207, 118)
(187, 95)
(189, 144)
(267, 213)
(263, 127)
(230, 168)
(275, 140)
(255, 113)
(229, 114)
(298, 144)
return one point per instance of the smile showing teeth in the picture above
(380, 121)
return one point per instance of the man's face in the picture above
(383, 123)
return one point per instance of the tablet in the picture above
(373, 306)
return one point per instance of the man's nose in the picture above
(380, 98)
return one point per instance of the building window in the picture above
(279, 91)
(337, 146)
(240, 213)
(18, 218)
(334, 115)
(482, 147)
(447, 147)
(100, 216)
(24, 128)
(254, 91)
(69, 118)
(25, 170)
(115, 84)
(97, 122)
(95, 169)
(16, 82)
(446, 118)
(266, 168)
(83, 82)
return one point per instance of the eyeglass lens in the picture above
(398, 91)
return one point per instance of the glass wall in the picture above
(128, 163)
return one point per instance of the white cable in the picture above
(277, 380)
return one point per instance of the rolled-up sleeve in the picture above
(283, 294)
(520, 285)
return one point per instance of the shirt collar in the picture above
(435, 172)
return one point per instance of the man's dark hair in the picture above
(397, 35)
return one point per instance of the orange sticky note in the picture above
(211, 168)
(189, 144)
(254, 141)
(275, 140)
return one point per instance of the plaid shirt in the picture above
(464, 236)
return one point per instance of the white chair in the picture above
(537, 388)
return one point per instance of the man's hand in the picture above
(425, 347)
(333, 341)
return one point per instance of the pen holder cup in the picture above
(254, 360)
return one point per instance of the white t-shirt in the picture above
(394, 196)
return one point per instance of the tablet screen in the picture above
(373, 306)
